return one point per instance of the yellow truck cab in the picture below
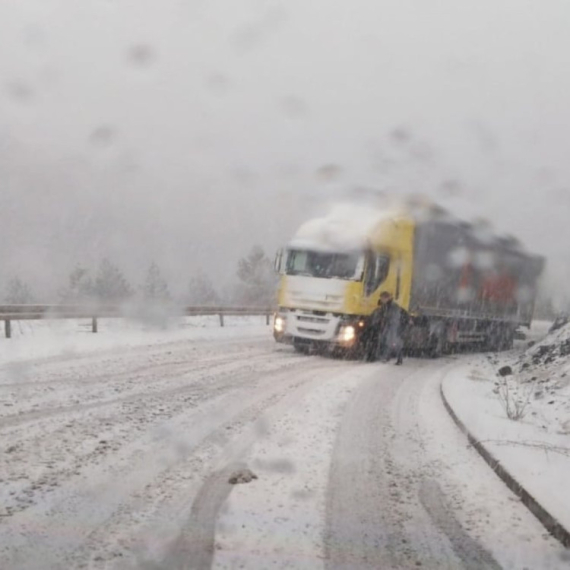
(333, 270)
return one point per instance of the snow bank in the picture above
(42, 339)
(534, 449)
(544, 370)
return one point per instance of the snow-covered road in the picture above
(121, 459)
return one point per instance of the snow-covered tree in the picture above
(110, 285)
(155, 287)
(18, 293)
(201, 291)
(79, 288)
(257, 278)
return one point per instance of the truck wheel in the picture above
(301, 347)
(436, 346)
(435, 350)
(508, 339)
(493, 341)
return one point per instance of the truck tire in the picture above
(508, 339)
(301, 347)
(436, 343)
(493, 339)
(435, 349)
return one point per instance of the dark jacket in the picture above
(390, 318)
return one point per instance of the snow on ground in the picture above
(119, 456)
(535, 448)
(48, 338)
(96, 445)
(277, 521)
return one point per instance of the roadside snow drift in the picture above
(49, 338)
(522, 415)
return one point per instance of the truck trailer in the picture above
(460, 283)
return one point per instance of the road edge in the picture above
(550, 523)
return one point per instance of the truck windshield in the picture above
(347, 266)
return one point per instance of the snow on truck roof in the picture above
(346, 227)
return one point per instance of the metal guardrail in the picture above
(9, 313)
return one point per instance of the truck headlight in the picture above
(347, 333)
(279, 324)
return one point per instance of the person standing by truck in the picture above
(372, 339)
(393, 321)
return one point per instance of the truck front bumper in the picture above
(316, 327)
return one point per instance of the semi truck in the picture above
(460, 283)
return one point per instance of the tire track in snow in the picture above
(97, 355)
(179, 374)
(125, 364)
(132, 421)
(194, 548)
(194, 545)
(277, 521)
(469, 551)
(374, 518)
(385, 509)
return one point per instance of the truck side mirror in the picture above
(278, 259)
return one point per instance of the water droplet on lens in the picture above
(329, 172)
(218, 83)
(20, 91)
(141, 55)
(400, 135)
(103, 136)
(294, 107)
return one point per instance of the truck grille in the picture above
(311, 331)
(306, 319)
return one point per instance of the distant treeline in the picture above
(255, 286)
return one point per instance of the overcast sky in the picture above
(185, 131)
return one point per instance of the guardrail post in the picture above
(94, 325)
(8, 328)
(221, 319)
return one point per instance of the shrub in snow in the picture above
(514, 398)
